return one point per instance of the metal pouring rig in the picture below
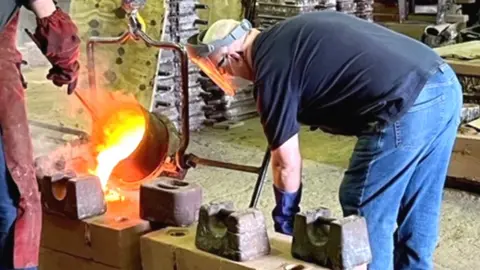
(182, 161)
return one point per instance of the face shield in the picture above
(202, 54)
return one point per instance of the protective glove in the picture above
(58, 41)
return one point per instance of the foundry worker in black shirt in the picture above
(347, 76)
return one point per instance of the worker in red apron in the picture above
(20, 209)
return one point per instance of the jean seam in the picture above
(448, 82)
(398, 134)
(367, 175)
(427, 104)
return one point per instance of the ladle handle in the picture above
(72, 86)
(85, 104)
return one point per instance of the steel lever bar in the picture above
(193, 160)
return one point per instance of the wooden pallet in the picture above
(464, 170)
(463, 57)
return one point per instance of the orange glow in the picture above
(115, 136)
(122, 134)
(113, 195)
(211, 71)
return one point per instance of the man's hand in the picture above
(58, 41)
(287, 165)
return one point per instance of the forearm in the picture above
(287, 177)
(287, 165)
(287, 172)
(42, 8)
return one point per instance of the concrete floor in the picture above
(326, 156)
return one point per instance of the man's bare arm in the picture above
(42, 8)
(287, 165)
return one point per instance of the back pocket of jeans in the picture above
(424, 102)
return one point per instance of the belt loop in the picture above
(443, 67)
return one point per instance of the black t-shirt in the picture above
(337, 71)
(7, 10)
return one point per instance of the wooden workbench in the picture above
(463, 57)
(464, 170)
(465, 60)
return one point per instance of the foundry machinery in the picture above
(162, 151)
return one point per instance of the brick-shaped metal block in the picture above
(166, 79)
(348, 244)
(236, 235)
(74, 197)
(44, 166)
(310, 235)
(182, 7)
(334, 243)
(470, 112)
(170, 202)
(171, 111)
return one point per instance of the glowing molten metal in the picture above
(115, 139)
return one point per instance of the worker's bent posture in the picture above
(20, 209)
(351, 77)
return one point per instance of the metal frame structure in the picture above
(183, 161)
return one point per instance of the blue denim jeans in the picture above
(8, 213)
(396, 176)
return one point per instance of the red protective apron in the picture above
(18, 149)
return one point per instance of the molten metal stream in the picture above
(115, 137)
(114, 151)
(122, 134)
(137, 34)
